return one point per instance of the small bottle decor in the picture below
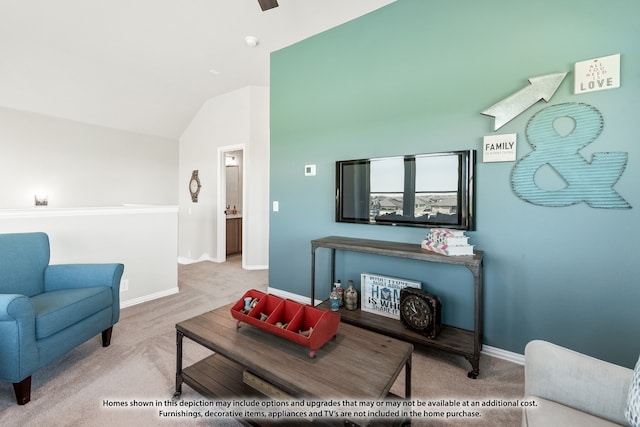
(340, 290)
(351, 297)
(247, 304)
(334, 299)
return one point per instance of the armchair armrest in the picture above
(71, 276)
(576, 380)
(14, 307)
(18, 350)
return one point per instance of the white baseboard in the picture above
(205, 257)
(186, 261)
(255, 267)
(150, 297)
(284, 294)
(486, 349)
(503, 354)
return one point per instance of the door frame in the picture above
(221, 222)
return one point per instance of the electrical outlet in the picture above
(124, 285)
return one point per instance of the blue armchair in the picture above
(48, 310)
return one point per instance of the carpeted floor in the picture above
(81, 388)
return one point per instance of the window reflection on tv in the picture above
(424, 190)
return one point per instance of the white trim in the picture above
(284, 294)
(107, 210)
(185, 260)
(255, 267)
(204, 257)
(150, 297)
(503, 354)
(486, 349)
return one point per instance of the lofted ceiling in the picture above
(147, 65)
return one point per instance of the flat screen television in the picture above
(422, 190)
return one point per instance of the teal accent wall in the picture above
(413, 77)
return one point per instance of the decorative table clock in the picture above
(420, 311)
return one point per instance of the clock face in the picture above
(194, 186)
(416, 312)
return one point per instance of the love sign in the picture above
(597, 74)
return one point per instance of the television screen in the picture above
(423, 190)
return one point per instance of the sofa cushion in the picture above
(633, 404)
(57, 310)
(553, 414)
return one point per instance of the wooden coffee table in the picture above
(357, 364)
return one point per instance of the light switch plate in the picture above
(309, 170)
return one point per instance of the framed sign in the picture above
(381, 294)
(499, 148)
(597, 74)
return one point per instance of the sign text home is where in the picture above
(381, 294)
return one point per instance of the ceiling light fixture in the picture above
(251, 41)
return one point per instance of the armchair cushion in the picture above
(57, 310)
(73, 276)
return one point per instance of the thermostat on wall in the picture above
(309, 170)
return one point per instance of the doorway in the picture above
(231, 202)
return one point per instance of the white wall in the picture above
(144, 239)
(256, 224)
(80, 165)
(239, 118)
(89, 172)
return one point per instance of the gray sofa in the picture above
(573, 389)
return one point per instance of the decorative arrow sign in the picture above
(541, 87)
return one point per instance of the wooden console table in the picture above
(358, 364)
(451, 339)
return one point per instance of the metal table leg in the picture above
(179, 337)
(407, 379)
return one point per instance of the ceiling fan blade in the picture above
(268, 4)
